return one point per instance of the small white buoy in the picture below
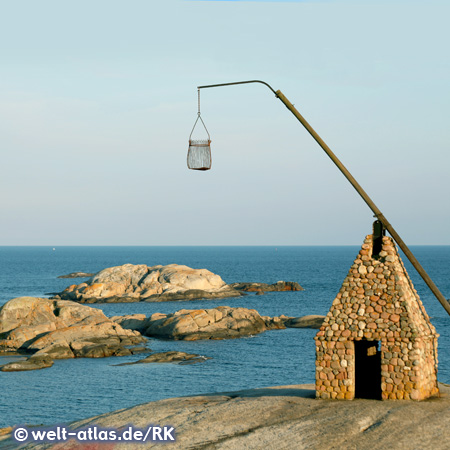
(54, 249)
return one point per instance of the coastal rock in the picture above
(5, 432)
(101, 348)
(131, 283)
(60, 329)
(91, 347)
(105, 333)
(194, 294)
(222, 322)
(131, 322)
(276, 323)
(279, 286)
(57, 351)
(77, 275)
(34, 363)
(170, 357)
(312, 321)
(287, 417)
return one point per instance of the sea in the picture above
(79, 388)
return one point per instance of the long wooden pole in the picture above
(368, 201)
(442, 300)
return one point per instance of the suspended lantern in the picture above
(199, 152)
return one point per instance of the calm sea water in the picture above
(77, 388)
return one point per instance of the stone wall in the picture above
(377, 302)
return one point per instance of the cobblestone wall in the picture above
(377, 302)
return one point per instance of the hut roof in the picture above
(377, 298)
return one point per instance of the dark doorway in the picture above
(367, 369)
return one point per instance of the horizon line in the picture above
(202, 245)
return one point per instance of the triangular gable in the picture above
(377, 299)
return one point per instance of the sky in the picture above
(97, 100)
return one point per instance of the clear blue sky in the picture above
(97, 100)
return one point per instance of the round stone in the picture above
(415, 394)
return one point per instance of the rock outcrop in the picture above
(61, 329)
(222, 322)
(33, 363)
(312, 321)
(287, 417)
(170, 357)
(132, 283)
(279, 286)
(132, 322)
(77, 275)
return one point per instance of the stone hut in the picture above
(377, 340)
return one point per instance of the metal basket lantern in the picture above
(199, 153)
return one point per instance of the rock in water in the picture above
(279, 286)
(222, 322)
(131, 322)
(158, 283)
(312, 321)
(34, 363)
(170, 357)
(77, 275)
(60, 329)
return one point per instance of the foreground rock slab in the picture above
(131, 283)
(60, 329)
(287, 417)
